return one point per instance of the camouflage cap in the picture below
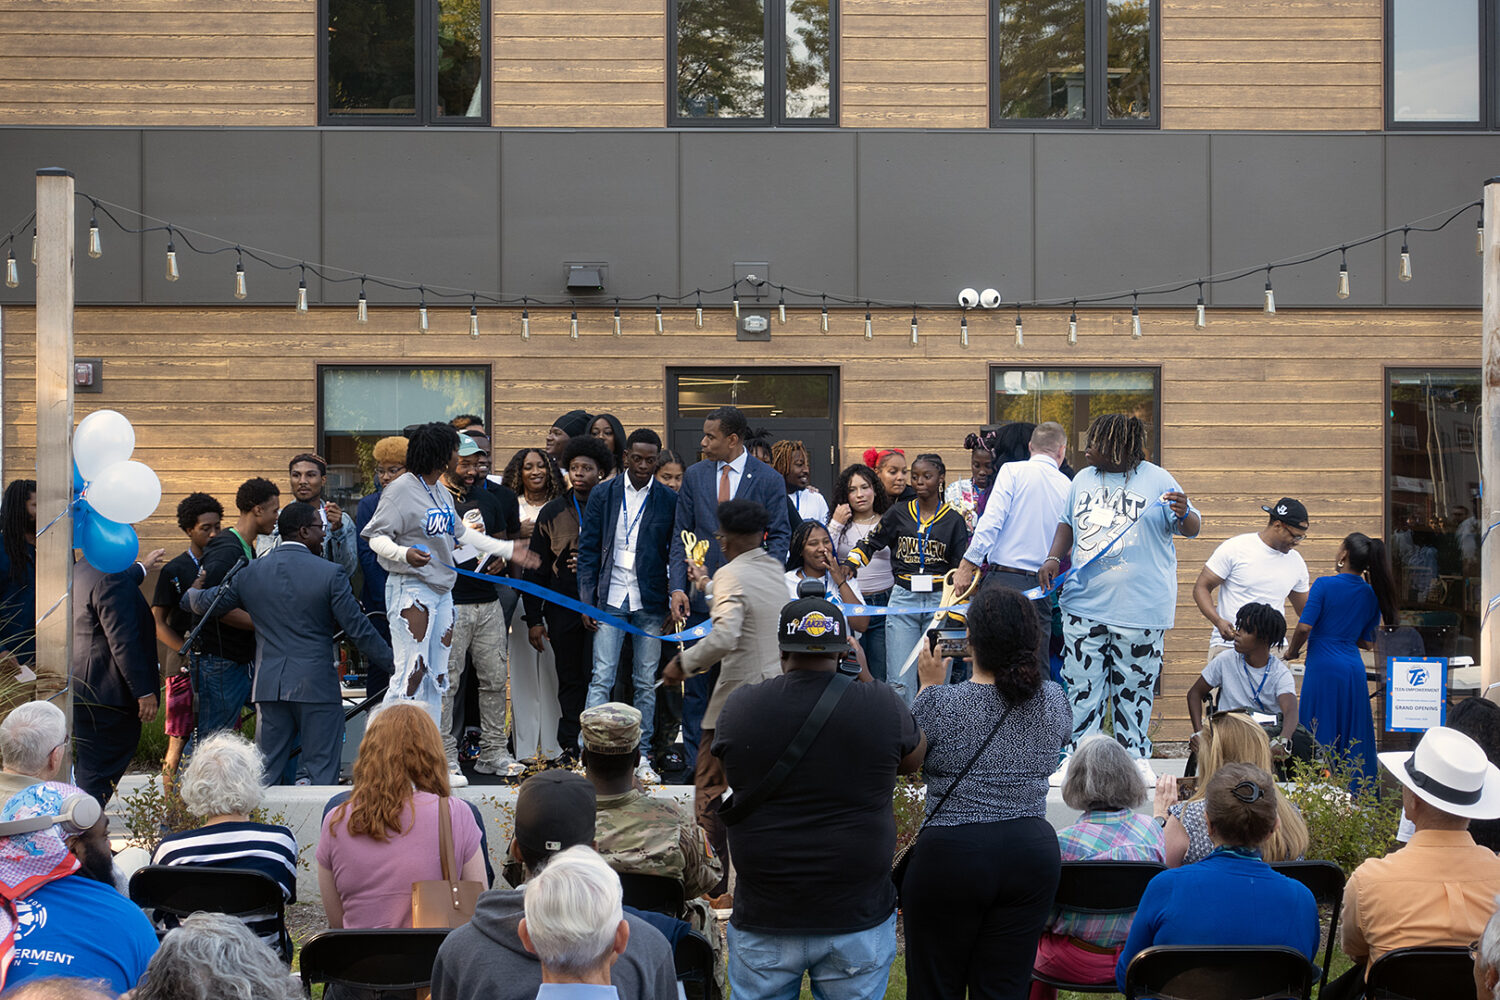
(613, 727)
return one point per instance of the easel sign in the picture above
(1416, 693)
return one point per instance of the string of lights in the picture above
(191, 238)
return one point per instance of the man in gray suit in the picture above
(298, 601)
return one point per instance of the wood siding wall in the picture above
(914, 63)
(1252, 408)
(580, 63)
(158, 62)
(1272, 64)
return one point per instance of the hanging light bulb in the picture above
(1201, 319)
(1073, 325)
(525, 320)
(35, 247)
(573, 323)
(781, 308)
(1343, 289)
(869, 330)
(171, 258)
(362, 308)
(302, 292)
(825, 314)
(1020, 331)
(239, 279)
(1403, 271)
(914, 323)
(422, 325)
(963, 331)
(617, 317)
(12, 273)
(96, 249)
(474, 319)
(700, 309)
(658, 314)
(1270, 306)
(736, 300)
(1135, 317)
(1479, 234)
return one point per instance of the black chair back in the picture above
(653, 893)
(1099, 888)
(372, 959)
(1325, 879)
(694, 959)
(1219, 973)
(1420, 974)
(170, 892)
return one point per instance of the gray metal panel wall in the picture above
(887, 215)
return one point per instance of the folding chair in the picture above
(654, 893)
(371, 959)
(1099, 888)
(694, 960)
(1420, 974)
(1325, 879)
(170, 892)
(1229, 972)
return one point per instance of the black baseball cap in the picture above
(555, 811)
(812, 624)
(1288, 510)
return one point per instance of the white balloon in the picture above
(103, 438)
(126, 492)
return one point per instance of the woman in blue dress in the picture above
(1342, 613)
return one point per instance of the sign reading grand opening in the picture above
(1416, 688)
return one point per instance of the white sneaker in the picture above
(457, 779)
(647, 773)
(1147, 775)
(1060, 775)
(504, 765)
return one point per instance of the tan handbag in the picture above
(445, 902)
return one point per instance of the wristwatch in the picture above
(1161, 821)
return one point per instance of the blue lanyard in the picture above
(576, 510)
(924, 528)
(452, 514)
(1264, 677)
(625, 511)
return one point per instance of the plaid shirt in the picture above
(1106, 835)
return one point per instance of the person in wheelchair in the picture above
(1251, 678)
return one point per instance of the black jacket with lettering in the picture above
(943, 543)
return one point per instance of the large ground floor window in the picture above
(1433, 516)
(359, 405)
(1073, 397)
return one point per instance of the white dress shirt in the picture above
(624, 581)
(810, 506)
(1021, 516)
(736, 470)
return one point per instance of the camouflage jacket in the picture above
(641, 835)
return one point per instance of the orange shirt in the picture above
(1437, 890)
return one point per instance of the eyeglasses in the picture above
(1297, 537)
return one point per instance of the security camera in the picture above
(989, 298)
(968, 298)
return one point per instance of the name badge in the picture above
(626, 559)
(921, 583)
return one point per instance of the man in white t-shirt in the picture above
(1261, 566)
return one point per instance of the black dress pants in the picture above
(573, 654)
(975, 899)
(106, 739)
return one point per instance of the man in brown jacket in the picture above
(747, 594)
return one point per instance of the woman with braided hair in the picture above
(1121, 596)
(963, 494)
(803, 502)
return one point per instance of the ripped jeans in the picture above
(421, 621)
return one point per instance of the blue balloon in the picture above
(108, 545)
(78, 482)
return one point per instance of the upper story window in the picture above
(1440, 64)
(404, 62)
(1075, 63)
(753, 62)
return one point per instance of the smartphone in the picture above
(948, 642)
(1187, 788)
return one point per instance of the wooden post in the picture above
(54, 436)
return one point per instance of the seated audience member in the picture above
(485, 958)
(1440, 888)
(213, 956)
(1252, 678)
(1486, 955)
(575, 926)
(61, 911)
(984, 869)
(1479, 719)
(1105, 785)
(1231, 896)
(1228, 738)
(33, 746)
(635, 833)
(385, 836)
(221, 785)
(57, 989)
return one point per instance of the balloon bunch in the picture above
(110, 492)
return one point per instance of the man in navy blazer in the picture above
(298, 601)
(622, 569)
(115, 673)
(727, 472)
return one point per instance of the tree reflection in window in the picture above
(1073, 60)
(723, 59)
(807, 62)
(1129, 89)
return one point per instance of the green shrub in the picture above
(910, 806)
(1348, 820)
(156, 809)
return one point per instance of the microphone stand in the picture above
(191, 639)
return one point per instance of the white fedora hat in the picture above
(1449, 771)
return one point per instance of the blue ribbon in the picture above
(1037, 593)
(875, 611)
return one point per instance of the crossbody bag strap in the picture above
(967, 767)
(741, 804)
(446, 854)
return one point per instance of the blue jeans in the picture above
(842, 966)
(421, 673)
(873, 639)
(901, 635)
(223, 686)
(646, 652)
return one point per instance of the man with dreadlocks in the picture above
(803, 503)
(1120, 596)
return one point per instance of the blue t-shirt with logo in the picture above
(81, 929)
(1134, 583)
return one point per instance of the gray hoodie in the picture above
(485, 960)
